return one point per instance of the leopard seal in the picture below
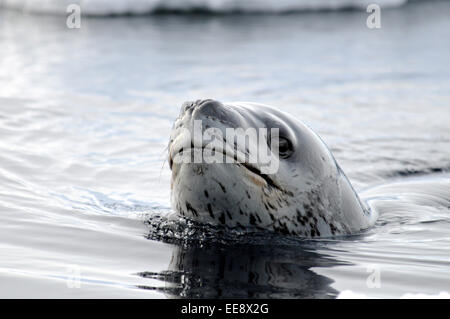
(307, 196)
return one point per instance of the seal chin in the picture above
(209, 193)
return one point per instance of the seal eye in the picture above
(284, 147)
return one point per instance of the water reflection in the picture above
(245, 271)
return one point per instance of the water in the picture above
(85, 117)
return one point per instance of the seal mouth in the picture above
(255, 171)
(250, 168)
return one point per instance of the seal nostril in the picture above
(211, 108)
(199, 103)
(186, 106)
(190, 105)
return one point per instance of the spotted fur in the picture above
(309, 197)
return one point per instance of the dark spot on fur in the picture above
(283, 229)
(223, 187)
(301, 219)
(222, 218)
(252, 220)
(308, 210)
(191, 209)
(210, 210)
(206, 194)
(333, 229)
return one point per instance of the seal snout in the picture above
(206, 109)
(191, 105)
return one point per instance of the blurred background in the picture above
(85, 116)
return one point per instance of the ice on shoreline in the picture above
(348, 294)
(119, 7)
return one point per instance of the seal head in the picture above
(304, 193)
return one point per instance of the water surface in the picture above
(85, 117)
